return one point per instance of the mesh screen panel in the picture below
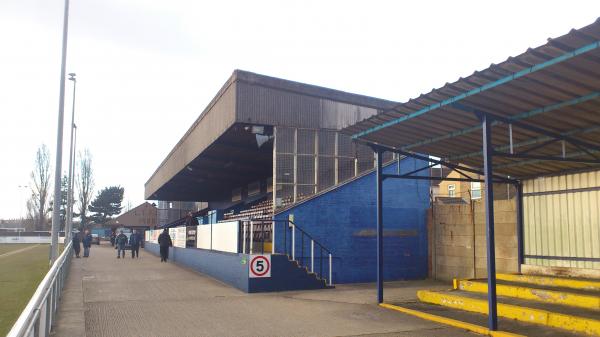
(296, 152)
(326, 143)
(285, 140)
(306, 170)
(365, 158)
(345, 146)
(304, 192)
(284, 195)
(345, 169)
(285, 168)
(306, 141)
(326, 172)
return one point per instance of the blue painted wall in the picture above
(344, 220)
(226, 267)
(233, 269)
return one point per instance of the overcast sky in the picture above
(146, 69)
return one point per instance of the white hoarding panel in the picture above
(225, 236)
(203, 233)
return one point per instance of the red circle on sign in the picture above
(266, 269)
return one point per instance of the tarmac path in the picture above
(105, 296)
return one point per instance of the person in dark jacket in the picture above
(121, 242)
(76, 243)
(164, 241)
(112, 239)
(87, 243)
(134, 242)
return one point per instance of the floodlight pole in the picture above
(69, 210)
(59, 141)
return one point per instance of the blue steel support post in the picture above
(520, 245)
(379, 178)
(489, 222)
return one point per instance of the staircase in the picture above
(559, 306)
(309, 260)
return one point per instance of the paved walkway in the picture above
(105, 296)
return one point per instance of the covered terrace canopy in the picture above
(532, 115)
(547, 97)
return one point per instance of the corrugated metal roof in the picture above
(555, 87)
(257, 99)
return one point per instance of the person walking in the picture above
(164, 241)
(121, 242)
(87, 243)
(76, 243)
(134, 242)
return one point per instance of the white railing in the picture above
(39, 314)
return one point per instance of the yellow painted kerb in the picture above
(534, 294)
(451, 322)
(537, 316)
(593, 285)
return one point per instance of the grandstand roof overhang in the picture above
(545, 102)
(220, 152)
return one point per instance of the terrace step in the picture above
(566, 318)
(549, 281)
(587, 299)
(505, 325)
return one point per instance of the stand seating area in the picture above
(262, 210)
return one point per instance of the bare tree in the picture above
(85, 184)
(37, 206)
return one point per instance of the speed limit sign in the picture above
(259, 266)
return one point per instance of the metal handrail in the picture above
(289, 225)
(38, 316)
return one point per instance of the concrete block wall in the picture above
(344, 221)
(460, 245)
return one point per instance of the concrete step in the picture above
(533, 292)
(572, 319)
(550, 281)
(504, 324)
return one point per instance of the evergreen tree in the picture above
(107, 203)
(63, 201)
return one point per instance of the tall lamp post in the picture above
(59, 140)
(69, 220)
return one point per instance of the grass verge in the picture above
(20, 275)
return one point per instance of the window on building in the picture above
(475, 190)
(451, 190)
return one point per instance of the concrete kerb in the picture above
(550, 281)
(524, 314)
(451, 322)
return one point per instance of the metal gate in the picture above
(562, 220)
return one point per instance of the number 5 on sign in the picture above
(259, 266)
